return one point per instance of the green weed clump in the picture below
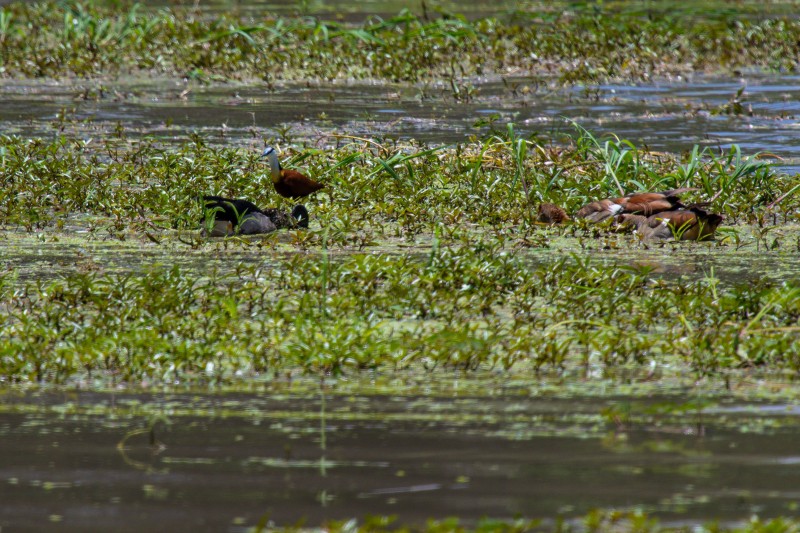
(567, 42)
(379, 191)
(469, 307)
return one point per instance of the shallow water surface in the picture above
(55, 255)
(166, 462)
(670, 116)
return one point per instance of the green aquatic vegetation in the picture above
(472, 291)
(567, 42)
(465, 307)
(379, 191)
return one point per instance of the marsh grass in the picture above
(421, 261)
(567, 44)
(595, 521)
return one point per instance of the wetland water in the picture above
(168, 462)
(669, 116)
(224, 462)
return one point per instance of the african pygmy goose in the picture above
(289, 183)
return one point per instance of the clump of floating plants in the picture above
(389, 189)
(419, 258)
(563, 42)
(618, 521)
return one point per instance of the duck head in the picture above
(274, 164)
(551, 214)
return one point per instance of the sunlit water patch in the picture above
(669, 116)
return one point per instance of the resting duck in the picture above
(692, 224)
(653, 214)
(289, 183)
(642, 203)
(233, 216)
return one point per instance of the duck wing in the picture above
(229, 209)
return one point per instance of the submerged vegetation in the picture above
(565, 43)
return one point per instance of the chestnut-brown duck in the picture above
(641, 203)
(691, 224)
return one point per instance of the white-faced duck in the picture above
(236, 216)
(691, 224)
(653, 214)
(289, 183)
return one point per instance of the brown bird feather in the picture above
(552, 214)
(645, 203)
(292, 184)
(289, 183)
(693, 224)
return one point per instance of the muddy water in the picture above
(343, 9)
(670, 116)
(101, 462)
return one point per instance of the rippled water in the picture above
(672, 116)
(128, 462)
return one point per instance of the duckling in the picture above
(691, 224)
(644, 203)
(244, 217)
(289, 183)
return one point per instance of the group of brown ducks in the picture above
(653, 215)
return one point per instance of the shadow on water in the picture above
(671, 116)
(97, 462)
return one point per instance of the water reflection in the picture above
(663, 116)
(223, 462)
